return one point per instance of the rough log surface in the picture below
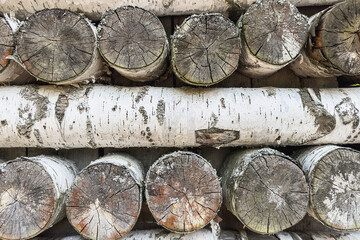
(59, 46)
(32, 195)
(105, 116)
(205, 49)
(133, 41)
(328, 236)
(183, 192)
(105, 199)
(334, 43)
(272, 34)
(333, 173)
(264, 189)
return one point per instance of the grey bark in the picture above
(183, 192)
(205, 49)
(134, 42)
(264, 189)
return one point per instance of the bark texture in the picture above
(272, 34)
(205, 49)
(333, 44)
(264, 189)
(105, 199)
(32, 195)
(134, 42)
(183, 192)
(59, 46)
(333, 173)
(328, 236)
(105, 116)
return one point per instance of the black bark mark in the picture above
(348, 112)
(215, 137)
(160, 112)
(60, 107)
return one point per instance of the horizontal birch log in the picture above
(105, 199)
(205, 49)
(134, 42)
(333, 173)
(59, 46)
(95, 9)
(333, 43)
(32, 195)
(272, 34)
(107, 116)
(264, 189)
(183, 192)
(328, 235)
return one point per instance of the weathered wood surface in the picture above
(205, 49)
(328, 236)
(105, 199)
(183, 192)
(264, 189)
(272, 34)
(59, 46)
(32, 195)
(134, 42)
(106, 116)
(333, 43)
(333, 173)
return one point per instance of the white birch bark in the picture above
(106, 116)
(94, 9)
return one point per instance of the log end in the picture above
(7, 44)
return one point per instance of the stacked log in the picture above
(333, 43)
(183, 192)
(264, 189)
(59, 46)
(272, 34)
(32, 195)
(205, 49)
(105, 199)
(133, 41)
(333, 173)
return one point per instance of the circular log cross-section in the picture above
(133, 41)
(59, 46)
(32, 195)
(333, 174)
(273, 33)
(105, 199)
(334, 45)
(183, 192)
(205, 49)
(6, 43)
(265, 190)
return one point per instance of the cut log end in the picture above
(105, 200)
(274, 31)
(134, 42)
(6, 43)
(265, 190)
(57, 45)
(183, 192)
(205, 49)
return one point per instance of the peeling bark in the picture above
(205, 49)
(272, 34)
(133, 41)
(333, 44)
(333, 173)
(183, 192)
(264, 189)
(59, 46)
(105, 199)
(32, 195)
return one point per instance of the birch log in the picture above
(105, 199)
(59, 46)
(205, 49)
(10, 70)
(183, 192)
(264, 189)
(105, 116)
(32, 195)
(272, 34)
(328, 236)
(333, 44)
(134, 42)
(333, 173)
